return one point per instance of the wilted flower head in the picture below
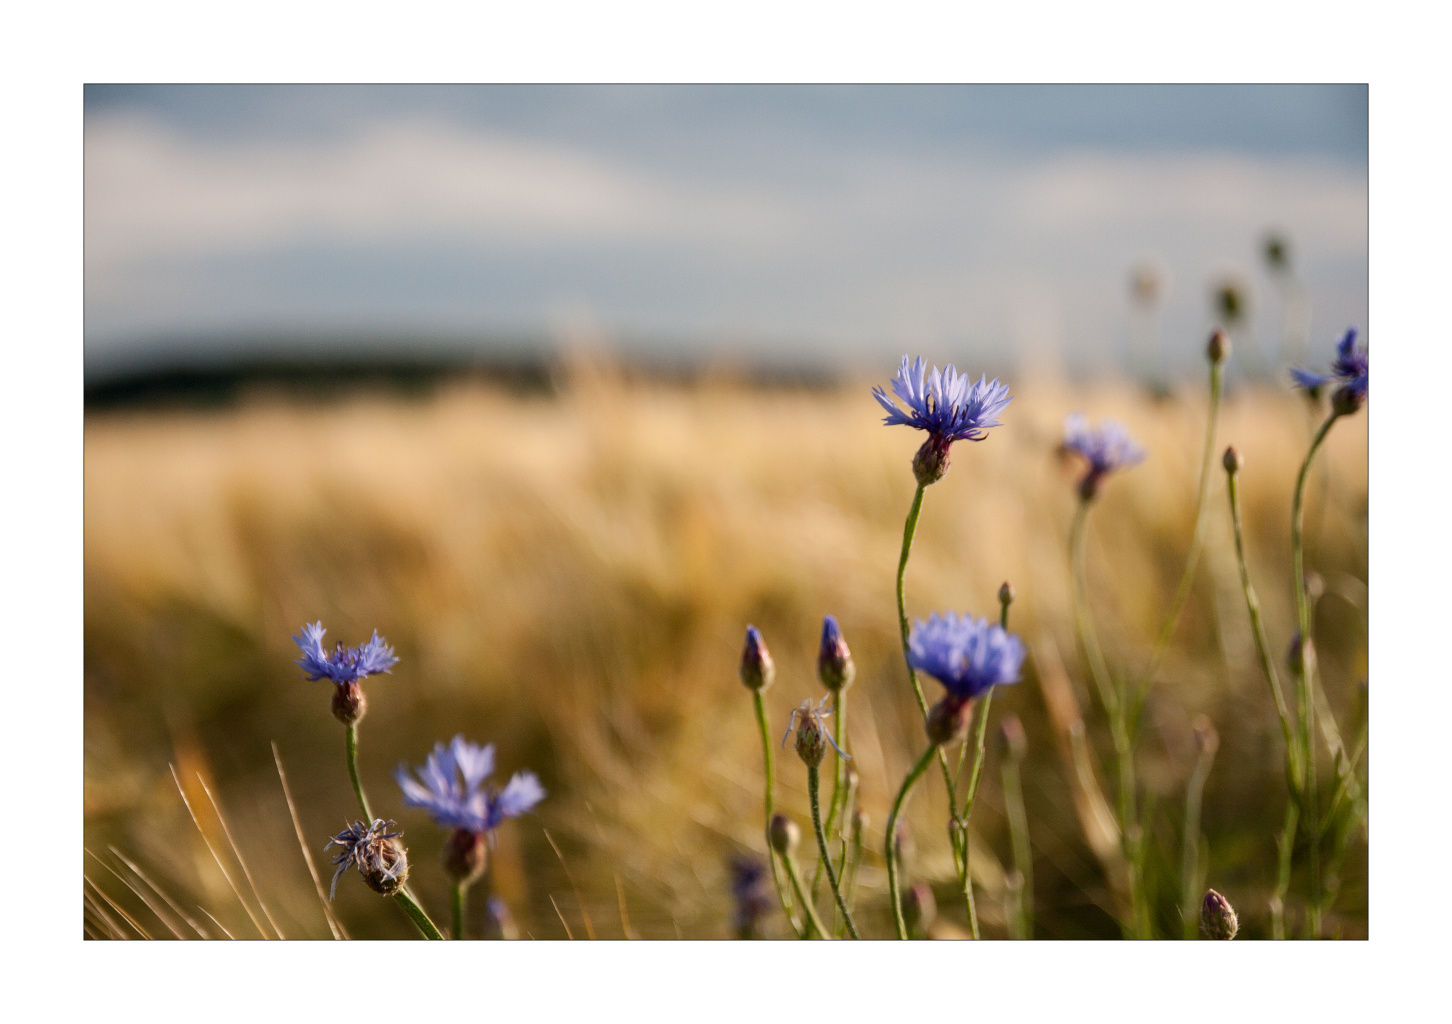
(1106, 448)
(834, 660)
(749, 894)
(948, 406)
(375, 852)
(453, 789)
(757, 669)
(342, 665)
(1349, 369)
(810, 722)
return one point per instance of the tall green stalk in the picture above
(781, 891)
(814, 923)
(456, 907)
(416, 914)
(1191, 883)
(1304, 668)
(813, 778)
(889, 852)
(353, 771)
(1022, 920)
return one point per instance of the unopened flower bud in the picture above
(860, 821)
(349, 704)
(1218, 348)
(1011, 734)
(948, 719)
(1301, 657)
(1217, 917)
(834, 661)
(919, 907)
(1207, 740)
(931, 460)
(1315, 586)
(757, 670)
(465, 856)
(498, 921)
(1233, 461)
(1347, 400)
(785, 835)
(903, 845)
(1006, 594)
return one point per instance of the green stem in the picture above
(1284, 846)
(979, 756)
(1262, 644)
(855, 863)
(1022, 851)
(839, 778)
(353, 772)
(457, 895)
(814, 923)
(1113, 702)
(812, 784)
(1182, 591)
(781, 890)
(416, 914)
(1190, 847)
(890, 854)
(1303, 669)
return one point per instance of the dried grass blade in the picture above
(589, 926)
(568, 933)
(140, 895)
(220, 928)
(217, 809)
(117, 907)
(220, 866)
(625, 927)
(191, 922)
(103, 917)
(334, 925)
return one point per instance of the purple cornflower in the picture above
(375, 852)
(1349, 368)
(965, 654)
(750, 895)
(453, 789)
(343, 665)
(948, 406)
(1106, 448)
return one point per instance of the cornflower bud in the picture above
(834, 661)
(1207, 740)
(1217, 917)
(1347, 400)
(1006, 593)
(1233, 461)
(903, 845)
(1012, 736)
(785, 835)
(1301, 657)
(919, 907)
(860, 821)
(1218, 349)
(498, 921)
(757, 670)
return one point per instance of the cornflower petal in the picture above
(965, 654)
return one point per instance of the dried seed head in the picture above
(377, 854)
(1217, 917)
(809, 720)
(785, 835)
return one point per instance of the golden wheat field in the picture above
(568, 574)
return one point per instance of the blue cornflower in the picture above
(948, 406)
(749, 894)
(453, 789)
(343, 665)
(1349, 368)
(834, 661)
(965, 654)
(1106, 448)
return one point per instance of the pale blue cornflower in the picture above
(452, 789)
(343, 665)
(1106, 448)
(1349, 369)
(965, 654)
(949, 406)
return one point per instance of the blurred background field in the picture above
(566, 570)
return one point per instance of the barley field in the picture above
(567, 572)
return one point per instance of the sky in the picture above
(833, 226)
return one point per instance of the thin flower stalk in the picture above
(812, 786)
(352, 754)
(1191, 866)
(1021, 919)
(781, 889)
(815, 928)
(889, 854)
(417, 915)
